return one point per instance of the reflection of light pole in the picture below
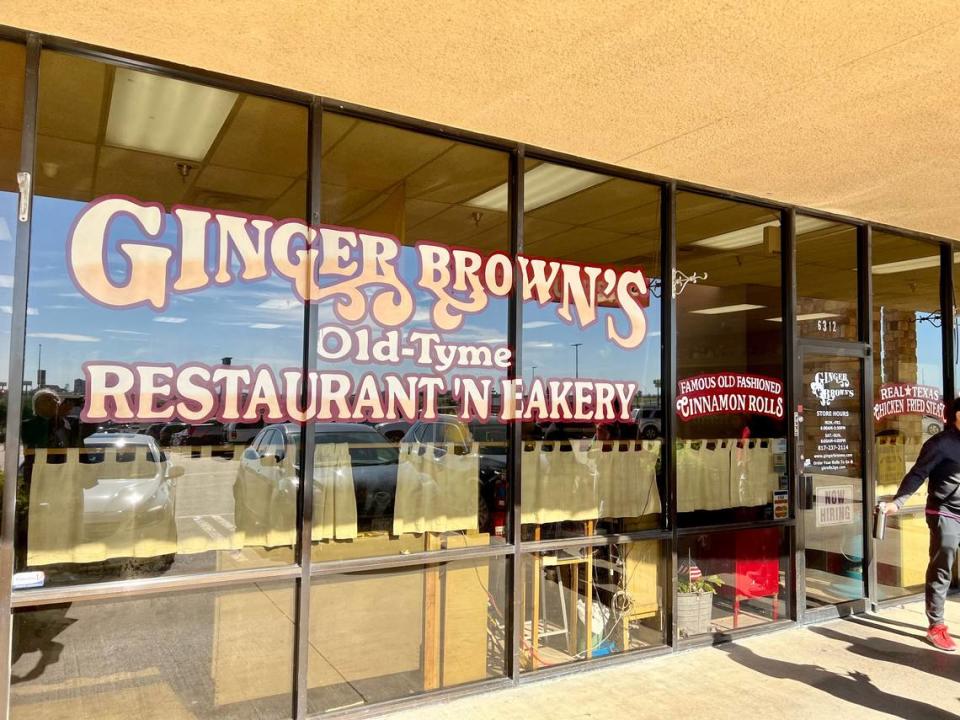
(576, 350)
(533, 373)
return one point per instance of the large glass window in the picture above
(826, 279)
(598, 473)
(147, 307)
(178, 655)
(590, 602)
(437, 479)
(731, 446)
(12, 61)
(391, 634)
(908, 395)
(728, 581)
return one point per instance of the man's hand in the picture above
(890, 508)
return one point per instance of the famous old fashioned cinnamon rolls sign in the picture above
(358, 273)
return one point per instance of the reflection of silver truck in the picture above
(650, 422)
(238, 433)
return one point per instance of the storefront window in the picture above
(142, 291)
(396, 633)
(590, 602)
(438, 479)
(12, 60)
(178, 655)
(908, 395)
(731, 446)
(826, 279)
(600, 473)
(728, 581)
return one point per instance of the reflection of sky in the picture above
(255, 323)
(929, 353)
(261, 322)
(548, 346)
(8, 224)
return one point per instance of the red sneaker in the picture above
(939, 637)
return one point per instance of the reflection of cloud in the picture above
(5, 235)
(540, 344)
(266, 326)
(280, 303)
(66, 337)
(6, 281)
(9, 310)
(70, 295)
(171, 320)
(62, 307)
(537, 324)
(127, 332)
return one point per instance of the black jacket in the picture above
(939, 460)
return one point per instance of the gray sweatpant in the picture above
(944, 538)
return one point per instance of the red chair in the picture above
(752, 568)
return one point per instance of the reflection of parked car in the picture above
(650, 421)
(932, 425)
(266, 485)
(165, 436)
(138, 491)
(238, 433)
(394, 430)
(492, 446)
(197, 436)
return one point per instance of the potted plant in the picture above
(695, 593)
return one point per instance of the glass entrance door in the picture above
(832, 481)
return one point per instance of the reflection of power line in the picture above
(576, 350)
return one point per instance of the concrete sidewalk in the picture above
(873, 666)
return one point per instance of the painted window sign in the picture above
(374, 311)
(829, 386)
(729, 393)
(908, 399)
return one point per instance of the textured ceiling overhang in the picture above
(846, 107)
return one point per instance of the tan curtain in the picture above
(559, 483)
(67, 522)
(334, 498)
(627, 478)
(437, 489)
(751, 469)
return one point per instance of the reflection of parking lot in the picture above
(205, 513)
(204, 501)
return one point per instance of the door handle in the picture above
(23, 185)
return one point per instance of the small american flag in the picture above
(691, 571)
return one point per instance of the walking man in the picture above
(939, 460)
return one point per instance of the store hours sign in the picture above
(357, 273)
(832, 452)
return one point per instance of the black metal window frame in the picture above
(303, 571)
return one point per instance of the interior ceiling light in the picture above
(165, 116)
(724, 309)
(753, 235)
(542, 185)
(808, 316)
(900, 266)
